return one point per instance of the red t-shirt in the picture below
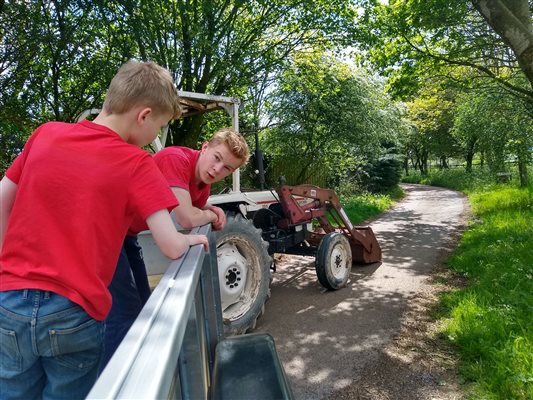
(178, 166)
(79, 187)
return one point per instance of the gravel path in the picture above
(350, 343)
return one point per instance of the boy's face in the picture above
(215, 163)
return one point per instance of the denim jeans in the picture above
(130, 290)
(50, 348)
(135, 259)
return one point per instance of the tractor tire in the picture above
(333, 261)
(244, 274)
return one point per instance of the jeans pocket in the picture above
(10, 357)
(79, 347)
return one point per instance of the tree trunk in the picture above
(424, 163)
(187, 132)
(414, 162)
(522, 173)
(470, 152)
(469, 159)
(443, 162)
(420, 165)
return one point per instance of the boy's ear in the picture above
(143, 113)
(204, 145)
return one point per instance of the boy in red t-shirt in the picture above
(189, 174)
(66, 204)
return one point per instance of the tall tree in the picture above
(431, 116)
(328, 117)
(491, 122)
(57, 56)
(56, 59)
(222, 47)
(16, 57)
(411, 40)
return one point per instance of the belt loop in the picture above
(46, 294)
(25, 294)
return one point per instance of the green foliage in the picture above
(58, 57)
(348, 179)
(495, 124)
(55, 59)
(432, 51)
(431, 116)
(413, 41)
(457, 179)
(485, 122)
(13, 142)
(329, 117)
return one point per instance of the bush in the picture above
(383, 174)
(346, 181)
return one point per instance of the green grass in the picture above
(491, 320)
(457, 179)
(363, 207)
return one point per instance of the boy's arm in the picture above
(8, 191)
(171, 243)
(189, 216)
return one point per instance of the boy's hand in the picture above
(198, 239)
(221, 218)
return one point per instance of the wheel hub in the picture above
(232, 273)
(338, 258)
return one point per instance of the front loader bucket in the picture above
(365, 247)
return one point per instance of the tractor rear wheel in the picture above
(333, 261)
(244, 274)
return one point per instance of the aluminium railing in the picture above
(168, 352)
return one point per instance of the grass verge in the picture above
(490, 321)
(363, 207)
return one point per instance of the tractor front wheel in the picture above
(333, 261)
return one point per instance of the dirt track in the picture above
(329, 341)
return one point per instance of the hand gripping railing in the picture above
(168, 352)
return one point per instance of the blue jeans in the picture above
(50, 348)
(130, 290)
(138, 269)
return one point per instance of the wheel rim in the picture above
(238, 276)
(338, 262)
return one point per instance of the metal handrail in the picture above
(168, 352)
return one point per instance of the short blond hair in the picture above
(142, 83)
(235, 142)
